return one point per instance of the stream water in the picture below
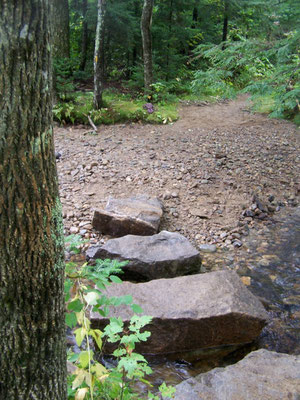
(269, 264)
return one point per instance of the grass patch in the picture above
(118, 108)
(263, 104)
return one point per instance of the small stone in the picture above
(237, 243)
(74, 230)
(167, 195)
(208, 248)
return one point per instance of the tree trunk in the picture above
(225, 23)
(32, 323)
(168, 45)
(146, 22)
(99, 56)
(84, 40)
(61, 30)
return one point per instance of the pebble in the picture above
(74, 230)
(208, 248)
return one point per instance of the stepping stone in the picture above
(138, 215)
(164, 255)
(262, 375)
(191, 312)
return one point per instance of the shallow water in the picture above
(269, 264)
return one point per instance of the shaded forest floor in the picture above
(205, 167)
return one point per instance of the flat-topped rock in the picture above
(192, 312)
(164, 255)
(262, 375)
(139, 215)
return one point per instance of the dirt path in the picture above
(205, 167)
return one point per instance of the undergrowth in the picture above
(91, 379)
(118, 108)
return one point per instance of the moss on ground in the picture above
(117, 108)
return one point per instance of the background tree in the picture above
(146, 22)
(61, 31)
(99, 56)
(32, 323)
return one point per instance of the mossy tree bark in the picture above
(146, 22)
(32, 326)
(99, 56)
(61, 30)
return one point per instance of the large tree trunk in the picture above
(146, 22)
(84, 39)
(32, 323)
(61, 31)
(99, 56)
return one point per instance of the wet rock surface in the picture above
(138, 215)
(164, 255)
(192, 312)
(262, 375)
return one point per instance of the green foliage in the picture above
(255, 67)
(73, 243)
(64, 81)
(84, 291)
(119, 108)
(224, 71)
(283, 86)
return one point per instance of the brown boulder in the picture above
(165, 255)
(192, 312)
(138, 215)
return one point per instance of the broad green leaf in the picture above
(115, 279)
(85, 357)
(99, 370)
(96, 334)
(79, 335)
(137, 309)
(74, 357)
(71, 320)
(119, 352)
(75, 305)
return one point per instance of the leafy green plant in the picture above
(84, 290)
(283, 86)
(73, 243)
(225, 71)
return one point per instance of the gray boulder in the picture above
(262, 375)
(192, 312)
(138, 215)
(164, 255)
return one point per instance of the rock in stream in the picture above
(164, 255)
(191, 312)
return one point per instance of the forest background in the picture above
(199, 50)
